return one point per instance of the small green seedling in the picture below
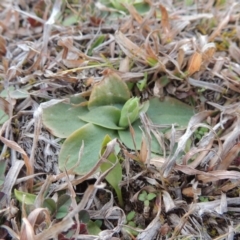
(142, 84)
(201, 132)
(130, 222)
(146, 197)
(203, 199)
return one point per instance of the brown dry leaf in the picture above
(181, 57)
(194, 63)
(207, 85)
(136, 16)
(232, 154)
(5, 106)
(143, 151)
(130, 48)
(229, 186)
(165, 23)
(230, 138)
(3, 49)
(165, 228)
(71, 63)
(152, 56)
(41, 194)
(191, 192)
(208, 51)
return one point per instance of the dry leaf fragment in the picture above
(5, 106)
(208, 51)
(232, 154)
(165, 20)
(168, 201)
(130, 48)
(13, 145)
(194, 63)
(191, 192)
(2, 46)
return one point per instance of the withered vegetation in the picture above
(189, 50)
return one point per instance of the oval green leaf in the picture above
(105, 116)
(50, 205)
(112, 90)
(92, 136)
(169, 111)
(63, 205)
(84, 216)
(93, 228)
(126, 138)
(62, 119)
(23, 197)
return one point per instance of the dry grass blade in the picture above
(229, 142)
(10, 181)
(231, 155)
(37, 217)
(165, 23)
(52, 51)
(168, 201)
(27, 162)
(198, 118)
(208, 176)
(182, 222)
(223, 23)
(136, 16)
(47, 29)
(129, 48)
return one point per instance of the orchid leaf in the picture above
(20, 93)
(112, 90)
(169, 111)
(62, 119)
(92, 137)
(114, 177)
(126, 138)
(105, 116)
(129, 112)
